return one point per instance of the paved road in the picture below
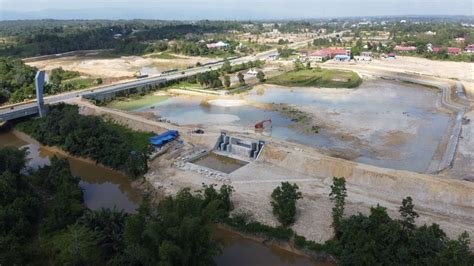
(29, 108)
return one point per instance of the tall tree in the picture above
(283, 202)
(227, 81)
(76, 246)
(241, 79)
(261, 76)
(408, 214)
(338, 196)
(226, 67)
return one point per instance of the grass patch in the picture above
(185, 85)
(80, 83)
(137, 102)
(164, 56)
(326, 78)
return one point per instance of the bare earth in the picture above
(439, 198)
(123, 67)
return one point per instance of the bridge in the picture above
(32, 107)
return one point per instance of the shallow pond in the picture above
(383, 123)
(107, 188)
(220, 163)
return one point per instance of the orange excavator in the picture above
(260, 125)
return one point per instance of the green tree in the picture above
(109, 225)
(297, 65)
(77, 245)
(408, 214)
(176, 232)
(226, 67)
(226, 81)
(241, 79)
(261, 76)
(308, 65)
(338, 196)
(283, 202)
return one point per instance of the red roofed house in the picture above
(469, 48)
(391, 55)
(435, 49)
(454, 50)
(319, 56)
(404, 48)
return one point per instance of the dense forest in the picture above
(91, 137)
(16, 80)
(43, 221)
(34, 38)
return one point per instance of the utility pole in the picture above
(39, 84)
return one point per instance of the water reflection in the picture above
(102, 187)
(242, 251)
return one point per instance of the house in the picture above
(391, 55)
(319, 56)
(217, 45)
(252, 72)
(454, 50)
(431, 48)
(430, 33)
(117, 36)
(364, 56)
(469, 48)
(459, 40)
(303, 55)
(342, 58)
(399, 48)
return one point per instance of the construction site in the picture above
(399, 134)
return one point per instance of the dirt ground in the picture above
(447, 202)
(461, 71)
(463, 166)
(312, 172)
(123, 67)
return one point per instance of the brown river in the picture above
(106, 188)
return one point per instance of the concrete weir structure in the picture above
(246, 149)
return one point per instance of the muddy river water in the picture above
(383, 123)
(107, 188)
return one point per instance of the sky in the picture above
(230, 9)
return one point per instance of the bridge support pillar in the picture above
(39, 84)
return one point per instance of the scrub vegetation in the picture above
(16, 80)
(326, 78)
(44, 222)
(374, 239)
(136, 102)
(87, 136)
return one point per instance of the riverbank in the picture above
(96, 198)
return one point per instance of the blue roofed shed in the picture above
(341, 57)
(162, 139)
